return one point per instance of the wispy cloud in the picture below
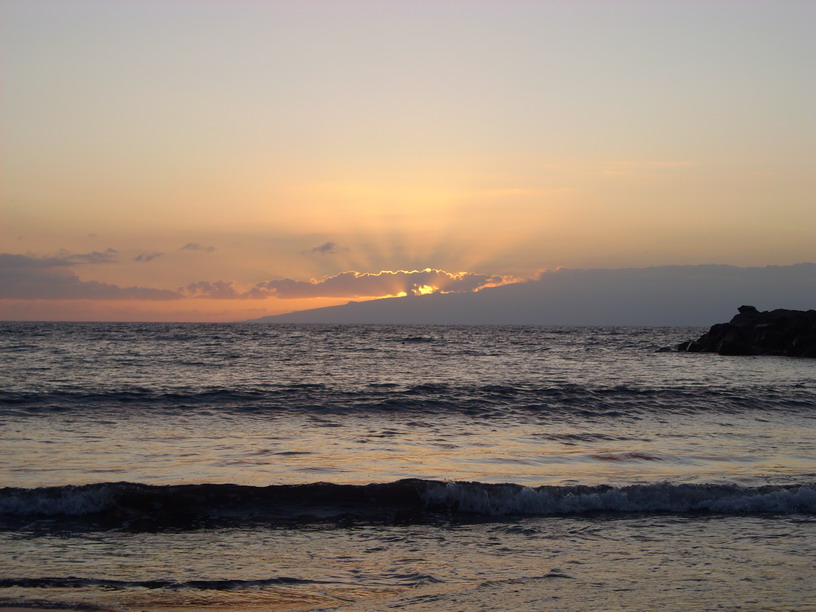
(328, 248)
(195, 246)
(148, 256)
(94, 257)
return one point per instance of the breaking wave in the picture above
(191, 506)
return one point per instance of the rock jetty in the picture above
(791, 333)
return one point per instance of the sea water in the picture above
(284, 467)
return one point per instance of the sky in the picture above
(195, 160)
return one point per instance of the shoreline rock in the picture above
(789, 333)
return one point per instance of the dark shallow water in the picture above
(157, 466)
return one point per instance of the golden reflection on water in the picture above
(290, 450)
(669, 562)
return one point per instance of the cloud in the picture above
(215, 290)
(194, 246)
(149, 256)
(10, 261)
(94, 257)
(364, 284)
(328, 248)
(25, 277)
(351, 285)
(30, 278)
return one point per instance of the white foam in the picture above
(497, 500)
(61, 501)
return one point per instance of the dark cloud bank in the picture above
(51, 278)
(669, 295)
(31, 278)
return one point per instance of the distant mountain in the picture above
(667, 295)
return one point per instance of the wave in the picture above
(503, 500)
(71, 582)
(138, 505)
(612, 401)
(173, 585)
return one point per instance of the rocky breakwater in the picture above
(791, 333)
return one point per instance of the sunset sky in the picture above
(224, 160)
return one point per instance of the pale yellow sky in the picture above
(158, 144)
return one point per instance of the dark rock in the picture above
(735, 347)
(748, 310)
(689, 347)
(790, 333)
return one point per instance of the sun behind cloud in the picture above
(351, 284)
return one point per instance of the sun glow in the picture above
(409, 135)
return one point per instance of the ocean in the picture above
(162, 467)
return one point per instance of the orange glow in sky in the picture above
(224, 161)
